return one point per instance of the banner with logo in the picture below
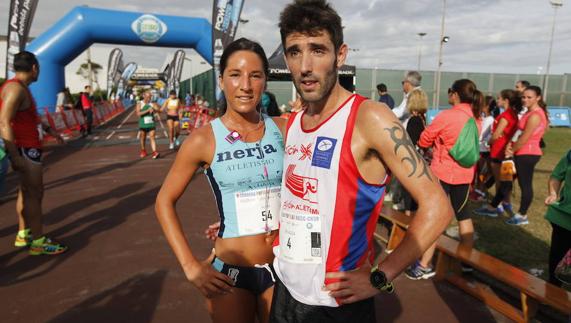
(128, 72)
(19, 21)
(176, 70)
(115, 60)
(225, 19)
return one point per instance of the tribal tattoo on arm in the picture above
(401, 139)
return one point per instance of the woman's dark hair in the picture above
(311, 17)
(244, 44)
(537, 90)
(514, 99)
(24, 61)
(469, 93)
(172, 92)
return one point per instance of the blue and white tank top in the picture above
(246, 180)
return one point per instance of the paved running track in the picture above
(99, 200)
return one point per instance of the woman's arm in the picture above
(499, 132)
(194, 152)
(553, 189)
(532, 123)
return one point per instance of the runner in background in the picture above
(173, 108)
(19, 121)
(242, 154)
(146, 111)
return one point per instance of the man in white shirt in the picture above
(411, 81)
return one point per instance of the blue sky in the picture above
(501, 36)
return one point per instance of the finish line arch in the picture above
(84, 26)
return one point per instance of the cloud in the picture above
(485, 35)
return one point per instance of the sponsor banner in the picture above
(19, 21)
(225, 19)
(128, 72)
(113, 64)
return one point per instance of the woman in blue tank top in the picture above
(242, 154)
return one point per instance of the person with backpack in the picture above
(454, 137)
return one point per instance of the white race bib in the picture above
(258, 211)
(300, 238)
(148, 119)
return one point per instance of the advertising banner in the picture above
(19, 21)
(113, 68)
(128, 72)
(225, 19)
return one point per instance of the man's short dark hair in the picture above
(382, 87)
(525, 83)
(311, 17)
(86, 87)
(24, 61)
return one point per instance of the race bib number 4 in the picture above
(300, 238)
(258, 211)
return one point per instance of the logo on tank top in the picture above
(323, 152)
(258, 152)
(303, 187)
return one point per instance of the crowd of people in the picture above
(299, 200)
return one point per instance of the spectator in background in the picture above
(417, 105)
(188, 99)
(483, 167)
(503, 129)
(384, 97)
(467, 102)
(270, 105)
(410, 82)
(526, 150)
(559, 213)
(521, 85)
(60, 100)
(86, 98)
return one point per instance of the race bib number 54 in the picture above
(257, 211)
(300, 238)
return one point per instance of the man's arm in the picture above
(12, 97)
(434, 210)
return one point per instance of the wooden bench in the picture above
(400, 223)
(532, 290)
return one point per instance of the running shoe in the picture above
(22, 241)
(518, 219)
(388, 197)
(417, 272)
(507, 207)
(156, 155)
(177, 142)
(398, 206)
(171, 146)
(143, 154)
(45, 246)
(500, 209)
(487, 212)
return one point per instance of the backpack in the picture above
(466, 149)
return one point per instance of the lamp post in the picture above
(443, 39)
(190, 60)
(421, 35)
(556, 4)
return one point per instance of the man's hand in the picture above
(352, 286)
(18, 163)
(211, 232)
(209, 282)
(552, 198)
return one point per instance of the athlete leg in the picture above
(20, 210)
(171, 130)
(142, 139)
(238, 307)
(153, 142)
(264, 304)
(176, 125)
(32, 190)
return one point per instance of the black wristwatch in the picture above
(379, 281)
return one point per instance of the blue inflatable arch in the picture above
(83, 26)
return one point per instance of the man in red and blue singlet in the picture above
(339, 153)
(19, 129)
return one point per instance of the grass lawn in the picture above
(527, 246)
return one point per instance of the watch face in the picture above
(378, 279)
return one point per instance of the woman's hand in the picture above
(209, 282)
(509, 151)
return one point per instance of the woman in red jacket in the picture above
(467, 102)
